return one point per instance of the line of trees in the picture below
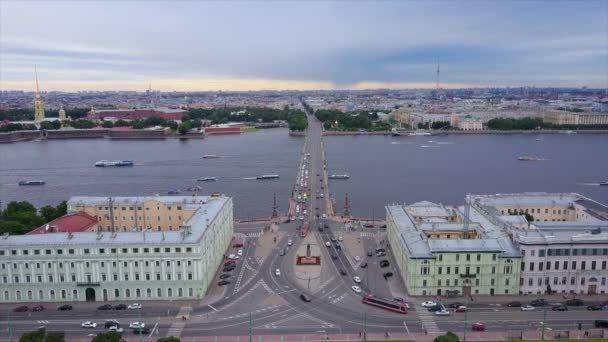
(350, 121)
(27, 114)
(294, 117)
(20, 217)
(506, 124)
(41, 335)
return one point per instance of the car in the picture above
(338, 247)
(320, 229)
(134, 306)
(305, 298)
(538, 302)
(380, 250)
(111, 323)
(232, 257)
(22, 308)
(363, 265)
(356, 279)
(144, 330)
(428, 304)
(65, 307)
(334, 257)
(600, 323)
(120, 307)
(333, 239)
(289, 243)
(356, 288)
(225, 276)
(328, 244)
(239, 252)
(230, 262)
(455, 305)
(559, 308)
(381, 254)
(137, 325)
(437, 307)
(88, 325)
(105, 307)
(223, 282)
(38, 308)
(326, 226)
(368, 225)
(442, 312)
(527, 308)
(324, 215)
(357, 258)
(343, 272)
(340, 238)
(228, 269)
(370, 253)
(301, 218)
(387, 274)
(514, 304)
(478, 327)
(277, 272)
(282, 252)
(117, 329)
(237, 244)
(384, 263)
(596, 307)
(575, 302)
(461, 308)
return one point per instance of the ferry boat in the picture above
(206, 179)
(31, 182)
(104, 163)
(267, 177)
(528, 158)
(211, 156)
(338, 176)
(401, 132)
(419, 133)
(604, 183)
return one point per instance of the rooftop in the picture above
(527, 199)
(75, 222)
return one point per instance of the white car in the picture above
(356, 288)
(428, 304)
(304, 212)
(88, 324)
(116, 328)
(240, 252)
(340, 238)
(328, 244)
(357, 279)
(277, 272)
(527, 308)
(137, 325)
(134, 306)
(289, 242)
(442, 312)
(301, 218)
(324, 215)
(232, 257)
(357, 258)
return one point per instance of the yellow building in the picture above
(402, 116)
(572, 118)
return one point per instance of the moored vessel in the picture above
(206, 179)
(104, 163)
(267, 177)
(528, 158)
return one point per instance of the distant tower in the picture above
(62, 114)
(346, 206)
(275, 213)
(38, 106)
(92, 113)
(437, 80)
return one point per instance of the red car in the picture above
(229, 262)
(22, 308)
(461, 308)
(478, 327)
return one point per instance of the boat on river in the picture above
(31, 182)
(345, 176)
(207, 179)
(211, 156)
(528, 158)
(105, 163)
(267, 177)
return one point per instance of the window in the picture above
(531, 266)
(574, 265)
(583, 265)
(506, 281)
(467, 269)
(583, 281)
(47, 251)
(456, 269)
(439, 270)
(603, 265)
(554, 280)
(530, 282)
(447, 271)
(593, 264)
(540, 266)
(468, 257)
(190, 276)
(565, 265)
(493, 269)
(188, 249)
(439, 282)
(87, 251)
(156, 250)
(556, 266)
(135, 250)
(457, 257)
(125, 250)
(167, 250)
(572, 281)
(102, 251)
(492, 282)
(541, 253)
(477, 282)
(424, 282)
(477, 270)
(548, 266)
(478, 257)
(493, 257)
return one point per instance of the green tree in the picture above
(107, 124)
(50, 125)
(48, 212)
(440, 124)
(111, 336)
(61, 209)
(122, 123)
(184, 127)
(168, 339)
(34, 336)
(448, 337)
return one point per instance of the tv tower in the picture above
(437, 80)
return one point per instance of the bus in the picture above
(386, 304)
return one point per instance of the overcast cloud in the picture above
(202, 45)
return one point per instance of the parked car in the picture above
(38, 308)
(223, 282)
(370, 253)
(228, 268)
(356, 288)
(363, 265)
(461, 308)
(514, 304)
(343, 272)
(120, 307)
(105, 307)
(538, 302)
(442, 312)
(428, 304)
(455, 305)
(232, 257)
(137, 325)
(239, 252)
(596, 307)
(328, 244)
(356, 279)
(384, 263)
(277, 272)
(478, 327)
(304, 298)
(575, 302)
(437, 307)
(65, 307)
(134, 306)
(230, 262)
(111, 323)
(22, 308)
(333, 239)
(381, 254)
(289, 242)
(357, 258)
(334, 257)
(559, 308)
(143, 331)
(387, 274)
(527, 308)
(225, 276)
(117, 329)
(88, 325)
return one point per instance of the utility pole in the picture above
(365, 326)
(464, 330)
(250, 323)
(8, 323)
(542, 335)
(141, 328)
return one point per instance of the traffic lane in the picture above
(171, 309)
(74, 329)
(526, 318)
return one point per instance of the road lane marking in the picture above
(214, 309)
(406, 328)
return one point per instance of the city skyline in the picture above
(192, 46)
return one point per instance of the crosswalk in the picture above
(179, 323)
(43, 322)
(254, 235)
(428, 321)
(367, 234)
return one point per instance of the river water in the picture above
(383, 169)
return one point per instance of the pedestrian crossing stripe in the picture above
(254, 235)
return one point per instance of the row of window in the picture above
(63, 294)
(567, 252)
(424, 270)
(466, 282)
(468, 257)
(535, 211)
(557, 281)
(102, 264)
(546, 266)
(134, 250)
(115, 277)
(138, 208)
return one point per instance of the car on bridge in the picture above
(38, 308)
(384, 263)
(356, 279)
(289, 242)
(442, 312)
(223, 282)
(575, 302)
(356, 288)
(527, 308)
(514, 304)
(559, 308)
(137, 325)
(22, 308)
(111, 323)
(225, 276)
(65, 307)
(134, 306)
(88, 325)
(105, 307)
(120, 307)
(595, 307)
(277, 272)
(428, 304)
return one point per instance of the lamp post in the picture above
(365, 326)
(250, 323)
(464, 328)
(542, 334)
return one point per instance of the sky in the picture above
(287, 45)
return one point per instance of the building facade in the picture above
(111, 266)
(574, 118)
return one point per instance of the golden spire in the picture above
(38, 106)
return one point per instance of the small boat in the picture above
(604, 183)
(104, 163)
(207, 179)
(528, 158)
(423, 133)
(216, 194)
(211, 156)
(539, 139)
(568, 132)
(174, 192)
(31, 182)
(267, 177)
(338, 176)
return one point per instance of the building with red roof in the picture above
(70, 223)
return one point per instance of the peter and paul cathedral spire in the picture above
(38, 106)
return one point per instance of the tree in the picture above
(448, 337)
(440, 124)
(61, 209)
(48, 212)
(41, 335)
(50, 124)
(111, 336)
(168, 339)
(107, 124)
(122, 123)
(184, 127)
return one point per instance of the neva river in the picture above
(383, 169)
